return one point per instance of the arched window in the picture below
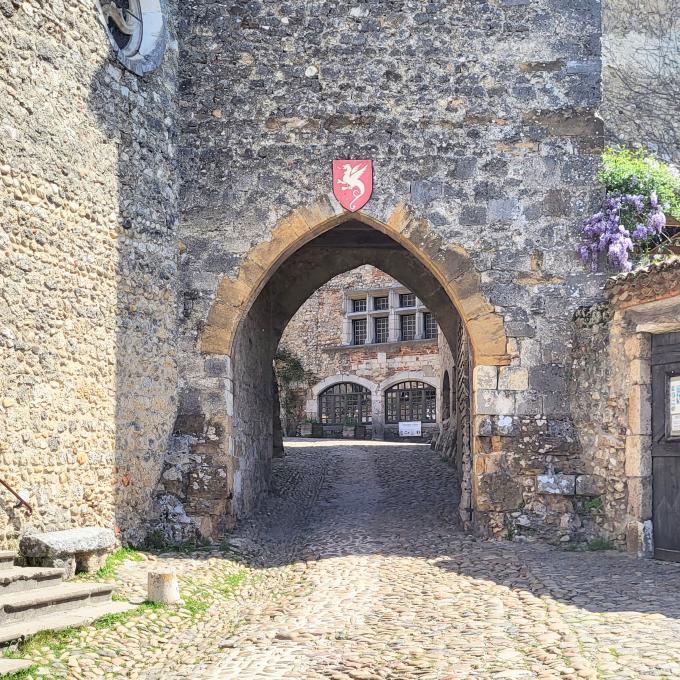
(409, 401)
(446, 397)
(345, 404)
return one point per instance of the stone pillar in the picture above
(377, 414)
(163, 587)
(420, 326)
(370, 329)
(393, 326)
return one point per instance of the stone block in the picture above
(589, 485)
(640, 498)
(513, 378)
(557, 484)
(485, 377)
(638, 346)
(528, 403)
(640, 372)
(638, 455)
(548, 378)
(640, 409)
(640, 539)
(472, 215)
(503, 209)
(163, 587)
(496, 488)
(72, 550)
(494, 402)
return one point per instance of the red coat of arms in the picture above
(352, 183)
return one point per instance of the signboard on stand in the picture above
(410, 429)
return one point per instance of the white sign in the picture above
(410, 429)
(674, 398)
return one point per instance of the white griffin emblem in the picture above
(351, 179)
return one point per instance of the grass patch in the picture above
(115, 558)
(600, 544)
(232, 583)
(56, 640)
(23, 674)
(110, 620)
(157, 541)
(195, 606)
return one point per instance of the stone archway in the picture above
(226, 418)
(450, 265)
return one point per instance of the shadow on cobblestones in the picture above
(377, 580)
(334, 498)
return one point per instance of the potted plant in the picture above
(311, 428)
(349, 428)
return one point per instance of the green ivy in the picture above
(290, 375)
(625, 171)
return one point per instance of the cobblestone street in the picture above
(355, 567)
(386, 586)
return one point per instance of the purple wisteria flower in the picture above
(624, 221)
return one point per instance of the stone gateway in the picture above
(167, 205)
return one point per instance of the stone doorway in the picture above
(226, 406)
(666, 445)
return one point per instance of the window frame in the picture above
(431, 333)
(402, 317)
(354, 305)
(376, 335)
(410, 398)
(386, 298)
(355, 323)
(336, 403)
(403, 296)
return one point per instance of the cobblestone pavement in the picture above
(390, 588)
(355, 568)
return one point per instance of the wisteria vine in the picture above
(625, 222)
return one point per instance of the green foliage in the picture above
(289, 368)
(157, 541)
(290, 376)
(115, 558)
(593, 505)
(600, 544)
(55, 640)
(110, 620)
(625, 171)
(195, 606)
(24, 674)
(232, 582)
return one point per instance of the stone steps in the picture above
(61, 620)
(7, 558)
(34, 599)
(20, 606)
(21, 579)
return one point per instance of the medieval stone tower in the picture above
(166, 207)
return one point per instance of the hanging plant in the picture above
(641, 192)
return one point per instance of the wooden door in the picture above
(666, 445)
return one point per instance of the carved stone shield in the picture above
(352, 183)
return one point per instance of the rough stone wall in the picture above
(314, 334)
(599, 405)
(641, 74)
(611, 401)
(481, 116)
(88, 205)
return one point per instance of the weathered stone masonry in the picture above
(158, 232)
(88, 218)
(475, 116)
(611, 397)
